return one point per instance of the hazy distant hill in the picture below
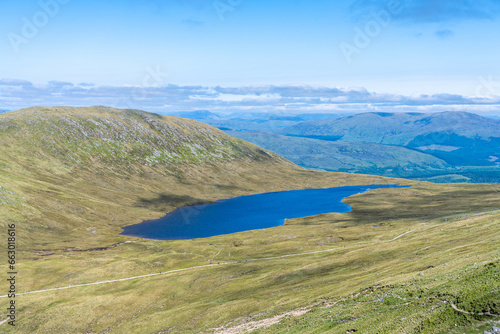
(401, 129)
(440, 147)
(196, 115)
(261, 117)
(252, 121)
(342, 156)
(459, 138)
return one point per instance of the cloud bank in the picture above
(17, 94)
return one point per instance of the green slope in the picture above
(84, 137)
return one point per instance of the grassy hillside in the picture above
(367, 250)
(71, 177)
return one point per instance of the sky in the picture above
(172, 55)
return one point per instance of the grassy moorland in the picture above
(72, 177)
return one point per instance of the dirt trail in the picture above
(243, 261)
(257, 324)
(462, 311)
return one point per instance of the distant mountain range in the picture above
(444, 147)
(197, 115)
(459, 138)
(258, 117)
(400, 128)
(343, 156)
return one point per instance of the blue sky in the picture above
(401, 50)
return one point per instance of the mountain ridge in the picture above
(342, 156)
(398, 128)
(116, 136)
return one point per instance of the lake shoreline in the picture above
(246, 213)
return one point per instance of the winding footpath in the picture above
(233, 262)
(219, 264)
(482, 313)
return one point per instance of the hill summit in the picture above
(118, 138)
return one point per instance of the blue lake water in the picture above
(246, 213)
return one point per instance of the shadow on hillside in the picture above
(430, 206)
(378, 207)
(168, 202)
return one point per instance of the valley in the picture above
(73, 177)
(441, 147)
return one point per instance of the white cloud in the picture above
(16, 94)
